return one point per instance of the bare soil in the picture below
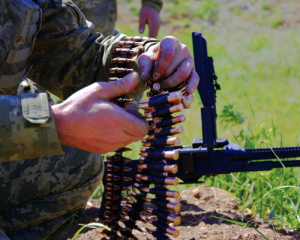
(199, 207)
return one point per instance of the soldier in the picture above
(50, 160)
(103, 14)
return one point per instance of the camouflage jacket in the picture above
(67, 56)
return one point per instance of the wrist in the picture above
(60, 120)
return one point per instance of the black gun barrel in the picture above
(265, 153)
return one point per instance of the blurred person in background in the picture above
(103, 14)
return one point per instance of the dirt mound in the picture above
(199, 206)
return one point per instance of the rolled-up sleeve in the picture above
(27, 127)
(156, 4)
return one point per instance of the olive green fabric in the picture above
(157, 4)
(102, 13)
(38, 195)
(67, 54)
(22, 139)
(27, 126)
(20, 22)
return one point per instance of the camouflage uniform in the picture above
(38, 193)
(103, 13)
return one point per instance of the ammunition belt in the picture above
(160, 144)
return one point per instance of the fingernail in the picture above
(156, 75)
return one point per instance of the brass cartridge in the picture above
(164, 215)
(110, 167)
(128, 43)
(157, 179)
(157, 191)
(166, 111)
(125, 51)
(111, 186)
(161, 142)
(122, 60)
(164, 227)
(166, 132)
(159, 202)
(159, 167)
(110, 158)
(113, 79)
(139, 38)
(174, 155)
(121, 70)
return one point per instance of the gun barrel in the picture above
(265, 153)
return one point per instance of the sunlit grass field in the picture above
(256, 60)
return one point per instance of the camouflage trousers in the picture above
(102, 13)
(38, 195)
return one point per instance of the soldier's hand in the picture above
(170, 62)
(150, 16)
(88, 121)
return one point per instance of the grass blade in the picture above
(90, 225)
(242, 224)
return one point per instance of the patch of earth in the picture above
(199, 206)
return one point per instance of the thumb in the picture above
(120, 87)
(142, 22)
(146, 61)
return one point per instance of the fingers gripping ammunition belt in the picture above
(121, 212)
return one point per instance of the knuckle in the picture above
(169, 52)
(185, 49)
(184, 73)
(114, 141)
(119, 85)
(170, 38)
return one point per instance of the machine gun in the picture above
(209, 155)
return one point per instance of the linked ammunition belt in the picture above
(126, 198)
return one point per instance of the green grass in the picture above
(256, 60)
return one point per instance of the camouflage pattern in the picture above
(21, 138)
(70, 55)
(102, 13)
(17, 38)
(27, 114)
(38, 195)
